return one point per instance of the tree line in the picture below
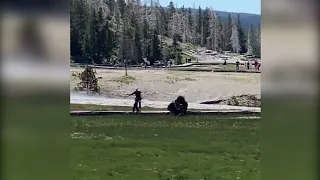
(109, 30)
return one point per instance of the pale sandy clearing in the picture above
(162, 85)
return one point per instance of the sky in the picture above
(245, 6)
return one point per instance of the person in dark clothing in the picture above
(137, 101)
(256, 65)
(237, 65)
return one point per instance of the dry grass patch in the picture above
(124, 79)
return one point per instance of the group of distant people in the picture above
(257, 65)
(178, 107)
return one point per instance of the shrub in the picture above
(88, 80)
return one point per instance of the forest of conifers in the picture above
(108, 30)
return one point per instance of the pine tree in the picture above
(148, 53)
(235, 39)
(75, 38)
(88, 80)
(95, 28)
(146, 39)
(251, 44)
(137, 43)
(258, 39)
(100, 18)
(242, 38)
(111, 5)
(211, 39)
(171, 8)
(199, 20)
(156, 51)
(122, 6)
(175, 50)
(190, 18)
(219, 33)
(79, 31)
(106, 42)
(228, 33)
(205, 26)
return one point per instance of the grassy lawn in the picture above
(162, 147)
(93, 107)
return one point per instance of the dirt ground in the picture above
(162, 85)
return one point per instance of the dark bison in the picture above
(178, 107)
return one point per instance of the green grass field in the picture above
(164, 148)
(94, 107)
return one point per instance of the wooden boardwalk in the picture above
(198, 113)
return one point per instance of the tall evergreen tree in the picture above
(75, 38)
(206, 26)
(235, 39)
(242, 38)
(175, 50)
(258, 39)
(122, 6)
(138, 45)
(251, 44)
(190, 18)
(107, 42)
(228, 33)
(172, 9)
(79, 30)
(111, 6)
(156, 50)
(219, 34)
(146, 39)
(199, 20)
(94, 32)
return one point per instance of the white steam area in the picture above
(84, 98)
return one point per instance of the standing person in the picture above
(237, 65)
(256, 64)
(224, 64)
(137, 100)
(248, 65)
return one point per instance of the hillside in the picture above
(115, 30)
(245, 18)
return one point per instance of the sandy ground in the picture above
(165, 86)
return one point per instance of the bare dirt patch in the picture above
(163, 85)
